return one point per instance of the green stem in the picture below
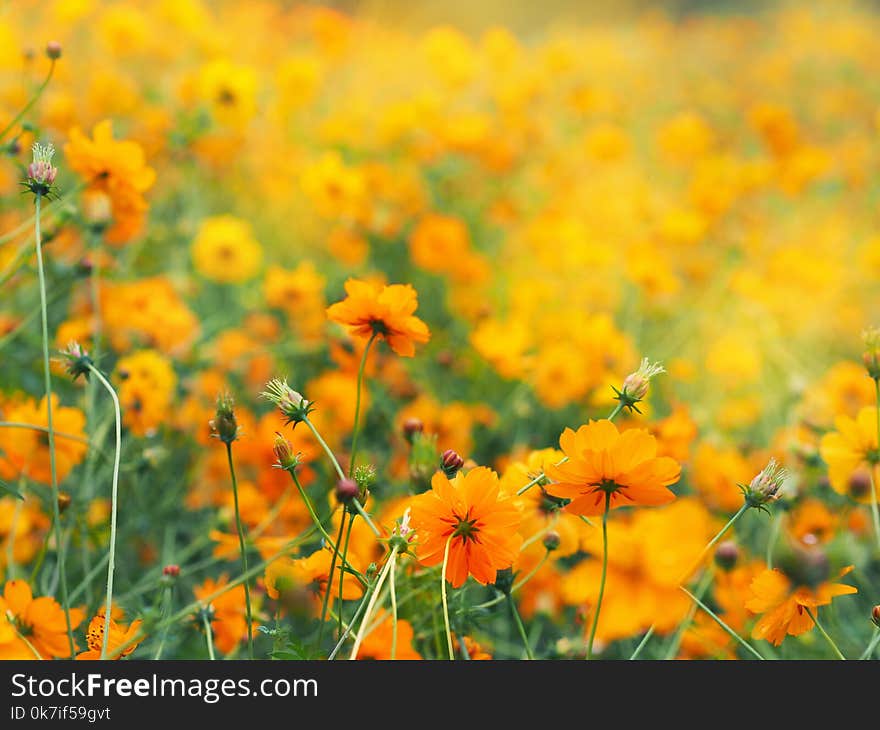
(723, 625)
(357, 405)
(815, 617)
(674, 645)
(241, 544)
(443, 598)
(875, 639)
(342, 569)
(519, 625)
(43, 429)
(316, 520)
(393, 605)
(638, 650)
(617, 409)
(47, 377)
(362, 513)
(389, 566)
(114, 505)
(604, 575)
(166, 606)
(33, 101)
(329, 587)
(326, 448)
(209, 634)
(368, 594)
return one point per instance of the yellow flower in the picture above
(225, 250)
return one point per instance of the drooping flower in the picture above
(480, 524)
(606, 464)
(784, 603)
(384, 311)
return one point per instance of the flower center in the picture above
(466, 528)
(379, 326)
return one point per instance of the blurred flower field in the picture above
(323, 337)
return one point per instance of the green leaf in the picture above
(4, 487)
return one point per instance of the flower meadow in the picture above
(322, 337)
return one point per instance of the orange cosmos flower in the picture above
(482, 525)
(602, 461)
(377, 643)
(117, 177)
(386, 312)
(33, 622)
(228, 613)
(120, 635)
(304, 581)
(784, 603)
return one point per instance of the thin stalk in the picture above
(362, 513)
(357, 404)
(357, 614)
(519, 625)
(166, 606)
(604, 575)
(771, 539)
(342, 569)
(32, 101)
(326, 448)
(638, 650)
(723, 625)
(393, 570)
(815, 617)
(243, 548)
(209, 634)
(443, 598)
(701, 589)
(43, 429)
(875, 639)
(114, 506)
(372, 604)
(47, 377)
(329, 587)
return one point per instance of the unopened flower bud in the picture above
(223, 425)
(635, 385)
(871, 355)
(765, 486)
(171, 571)
(41, 172)
(451, 462)
(53, 50)
(726, 555)
(504, 580)
(347, 490)
(875, 616)
(283, 449)
(551, 540)
(63, 501)
(76, 360)
(292, 405)
(411, 427)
